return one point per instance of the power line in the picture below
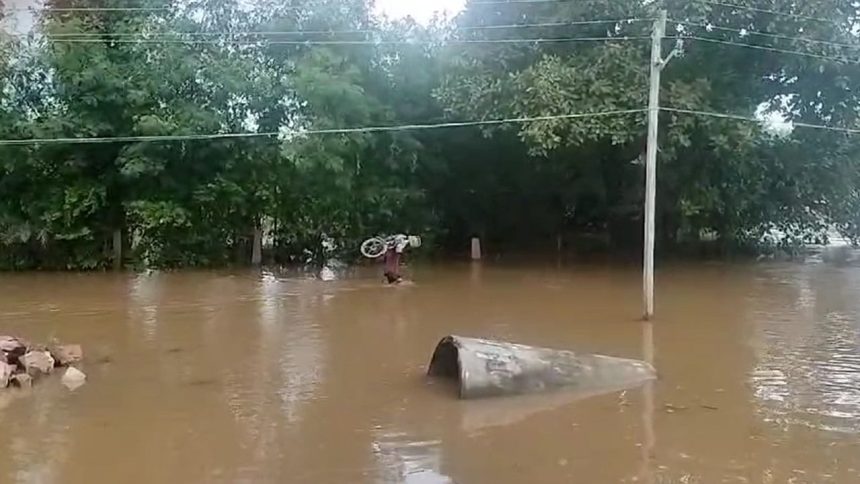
(351, 42)
(751, 119)
(515, 2)
(710, 26)
(85, 35)
(90, 9)
(844, 60)
(272, 134)
(773, 12)
(174, 7)
(563, 24)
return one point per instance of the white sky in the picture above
(421, 10)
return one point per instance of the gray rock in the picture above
(10, 343)
(73, 378)
(6, 372)
(65, 355)
(12, 348)
(37, 362)
(22, 380)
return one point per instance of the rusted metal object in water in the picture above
(484, 368)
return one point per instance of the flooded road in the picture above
(242, 377)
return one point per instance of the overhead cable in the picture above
(752, 119)
(745, 32)
(309, 132)
(171, 34)
(844, 60)
(773, 12)
(540, 40)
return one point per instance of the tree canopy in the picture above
(302, 82)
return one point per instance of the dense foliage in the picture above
(204, 67)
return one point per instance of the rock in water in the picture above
(22, 380)
(73, 378)
(6, 372)
(10, 343)
(12, 348)
(65, 355)
(36, 362)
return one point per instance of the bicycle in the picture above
(375, 247)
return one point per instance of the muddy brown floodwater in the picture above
(216, 377)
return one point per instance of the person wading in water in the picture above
(394, 254)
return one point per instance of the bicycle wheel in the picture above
(373, 248)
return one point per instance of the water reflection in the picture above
(808, 370)
(270, 299)
(282, 361)
(481, 415)
(144, 294)
(403, 460)
(301, 353)
(646, 474)
(39, 434)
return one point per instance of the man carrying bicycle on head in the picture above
(390, 249)
(393, 253)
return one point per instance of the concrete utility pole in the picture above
(117, 250)
(257, 245)
(657, 65)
